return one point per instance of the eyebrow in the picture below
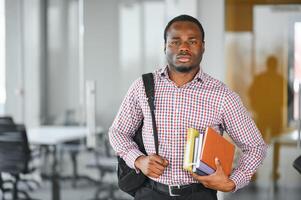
(175, 38)
(190, 38)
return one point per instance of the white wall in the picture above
(25, 60)
(212, 16)
(14, 75)
(33, 61)
(101, 56)
(62, 79)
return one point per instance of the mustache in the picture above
(184, 53)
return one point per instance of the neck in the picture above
(181, 78)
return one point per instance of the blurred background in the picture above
(69, 63)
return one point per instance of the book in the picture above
(192, 134)
(203, 167)
(215, 145)
(198, 150)
(195, 152)
(200, 172)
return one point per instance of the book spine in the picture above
(200, 173)
(189, 149)
(205, 168)
(195, 156)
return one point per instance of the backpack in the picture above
(129, 180)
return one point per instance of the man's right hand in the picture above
(152, 165)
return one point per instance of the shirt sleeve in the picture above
(243, 131)
(125, 124)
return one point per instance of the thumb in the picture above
(218, 164)
(165, 162)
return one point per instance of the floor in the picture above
(288, 187)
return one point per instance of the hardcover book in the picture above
(215, 145)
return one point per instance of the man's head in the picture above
(184, 43)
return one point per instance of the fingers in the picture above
(156, 166)
(165, 163)
(159, 160)
(199, 178)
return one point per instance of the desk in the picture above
(53, 136)
(289, 139)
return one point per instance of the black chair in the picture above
(5, 120)
(14, 155)
(8, 120)
(106, 163)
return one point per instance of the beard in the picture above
(183, 69)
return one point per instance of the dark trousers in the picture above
(148, 193)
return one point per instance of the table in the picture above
(54, 136)
(289, 139)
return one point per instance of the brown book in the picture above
(215, 145)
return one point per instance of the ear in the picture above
(203, 46)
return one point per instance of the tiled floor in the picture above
(288, 186)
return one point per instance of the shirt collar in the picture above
(199, 76)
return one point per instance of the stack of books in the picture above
(202, 149)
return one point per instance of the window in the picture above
(2, 56)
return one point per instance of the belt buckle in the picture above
(170, 187)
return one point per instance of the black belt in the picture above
(175, 190)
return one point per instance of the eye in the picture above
(175, 42)
(192, 42)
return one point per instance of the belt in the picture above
(174, 190)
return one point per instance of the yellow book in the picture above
(192, 134)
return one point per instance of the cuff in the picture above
(239, 179)
(131, 157)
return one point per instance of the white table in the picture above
(54, 136)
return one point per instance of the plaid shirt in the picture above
(200, 103)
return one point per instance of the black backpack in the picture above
(128, 180)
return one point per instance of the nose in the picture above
(184, 46)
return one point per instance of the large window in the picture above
(2, 57)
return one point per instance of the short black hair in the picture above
(182, 18)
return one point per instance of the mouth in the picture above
(184, 58)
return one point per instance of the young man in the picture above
(185, 97)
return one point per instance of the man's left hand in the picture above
(217, 181)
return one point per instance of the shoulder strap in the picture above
(149, 85)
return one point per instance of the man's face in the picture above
(184, 46)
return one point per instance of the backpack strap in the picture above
(149, 85)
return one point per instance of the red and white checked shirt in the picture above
(200, 103)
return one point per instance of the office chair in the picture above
(14, 156)
(4, 120)
(8, 120)
(106, 163)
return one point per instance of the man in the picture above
(185, 97)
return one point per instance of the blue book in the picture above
(201, 173)
(204, 168)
